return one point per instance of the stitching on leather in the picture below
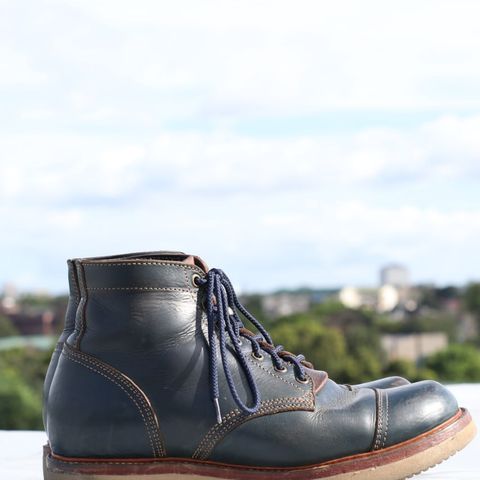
(132, 387)
(267, 406)
(380, 417)
(148, 410)
(216, 436)
(166, 289)
(189, 285)
(386, 421)
(173, 265)
(237, 418)
(154, 462)
(274, 375)
(82, 305)
(219, 430)
(76, 360)
(86, 365)
(114, 376)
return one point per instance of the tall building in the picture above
(395, 275)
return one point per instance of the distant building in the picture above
(281, 304)
(395, 275)
(350, 297)
(34, 323)
(353, 297)
(413, 347)
(8, 298)
(388, 298)
(467, 327)
(383, 299)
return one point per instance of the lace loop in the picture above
(223, 310)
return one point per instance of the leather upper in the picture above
(140, 333)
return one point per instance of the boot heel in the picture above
(52, 473)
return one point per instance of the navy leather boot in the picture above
(161, 379)
(69, 325)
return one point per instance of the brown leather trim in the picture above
(131, 389)
(319, 379)
(124, 466)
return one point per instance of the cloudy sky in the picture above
(289, 143)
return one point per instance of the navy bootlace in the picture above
(223, 310)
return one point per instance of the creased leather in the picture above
(144, 317)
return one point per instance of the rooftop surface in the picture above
(21, 451)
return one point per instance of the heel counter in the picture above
(52, 367)
(68, 328)
(96, 411)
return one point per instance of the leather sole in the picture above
(394, 463)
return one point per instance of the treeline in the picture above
(346, 344)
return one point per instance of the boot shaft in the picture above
(74, 287)
(143, 320)
(135, 306)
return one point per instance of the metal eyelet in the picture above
(195, 278)
(259, 357)
(300, 380)
(281, 370)
(239, 343)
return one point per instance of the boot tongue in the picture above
(196, 262)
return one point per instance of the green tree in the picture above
(30, 364)
(7, 329)
(362, 366)
(20, 405)
(322, 346)
(22, 372)
(253, 303)
(407, 369)
(472, 300)
(403, 368)
(457, 363)
(438, 322)
(328, 308)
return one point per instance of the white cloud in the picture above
(219, 59)
(64, 166)
(346, 202)
(16, 69)
(121, 129)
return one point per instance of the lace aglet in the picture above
(217, 410)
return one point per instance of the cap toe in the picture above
(410, 410)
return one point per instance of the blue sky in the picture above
(290, 144)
